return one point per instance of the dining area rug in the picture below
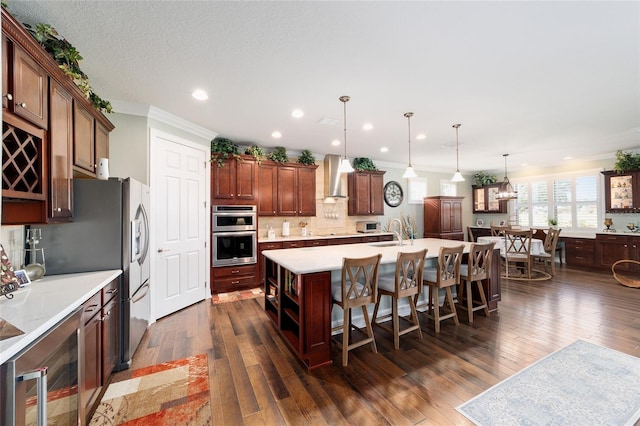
(171, 393)
(580, 384)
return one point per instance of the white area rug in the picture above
(581, 384)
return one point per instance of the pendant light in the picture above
(409, 173)
(457, 176)
(506, 191)
(345, 166)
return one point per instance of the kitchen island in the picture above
(298, 289)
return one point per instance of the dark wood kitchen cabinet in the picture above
(25, 89)
(233, 278)
(485, 199)
(622, 191)
(365, 193)
(443, 217)
(40, 131)
(610, 248)
(235, 181)
(267, 189)
(60, 152)
(579, 251)
(100, 319)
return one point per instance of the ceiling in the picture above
(539, 80)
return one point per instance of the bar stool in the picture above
(445, 275)
(406, 282)
(477, 269)
(358, 288)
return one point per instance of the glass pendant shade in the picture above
(409, 173)
(506, 192)
(457, 176)
(345, 166)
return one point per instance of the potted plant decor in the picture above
(626, 161)
(279, 155)
(222, 148)
(306, 157)
(481, 178)
(362, 164)
(255, 151)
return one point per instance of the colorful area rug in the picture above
(237, 295)
(581, 384)
(519, 275)
(171, 393)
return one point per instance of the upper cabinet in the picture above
(234, 182)
(24, 86)
(286, 189)
(365, 193)
(622, 192)
(47, 124)
(485, 199)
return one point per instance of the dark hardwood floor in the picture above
(255, 379)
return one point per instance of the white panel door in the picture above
(179, 187)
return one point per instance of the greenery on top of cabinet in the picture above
(306, 157)
(222, 148)
(68, 59)
(626, 161)
(279, 155)
(256, 151)
(362, 164)
(481, 178)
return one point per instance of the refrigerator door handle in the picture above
(139, 298)
(135, 240)
(145, 222)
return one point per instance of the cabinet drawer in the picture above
(292, 244)
(612, 238)
(109, 291)
(234, 271)
(269, 246)
(316, 243)
(91, 307)
(234, 283)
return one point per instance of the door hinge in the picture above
(205, 244)
(205, 204)
(204, 163)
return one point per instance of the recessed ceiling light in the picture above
(384, 149)
(421, 136)
(568, 158)
(524, 164)
(335, 142)
(200, 95)
(297, 113)
(367, 126)
(276, 135)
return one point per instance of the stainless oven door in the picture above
(234, 221)
(234, 248)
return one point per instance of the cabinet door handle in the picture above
(112, 291)
(21, 104)
(9, 96)
(235, 282)
(40, 374)
(235, 271)
(90, 308)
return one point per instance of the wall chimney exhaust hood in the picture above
(332, 177)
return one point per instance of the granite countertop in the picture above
(322, 236)
(37, 307)
(307, 260)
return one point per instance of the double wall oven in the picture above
(234, 239)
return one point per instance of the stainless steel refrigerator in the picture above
(110, 230)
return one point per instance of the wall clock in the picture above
(393, 194)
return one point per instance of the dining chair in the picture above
(472, 238)
(518, 250)
(405, 282)
(549, 254)
(445, 275)
(498, 231)
(358, 288)
(477, 268)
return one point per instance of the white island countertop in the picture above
(39, 306)
(323, 236)
(308, 260)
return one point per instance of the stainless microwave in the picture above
(367, 226)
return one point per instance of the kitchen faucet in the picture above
(399, 233)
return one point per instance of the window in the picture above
(448, 188)
(571, 199)
(417, 190)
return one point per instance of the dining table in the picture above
(537, 245)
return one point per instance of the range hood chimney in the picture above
(332, 176)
